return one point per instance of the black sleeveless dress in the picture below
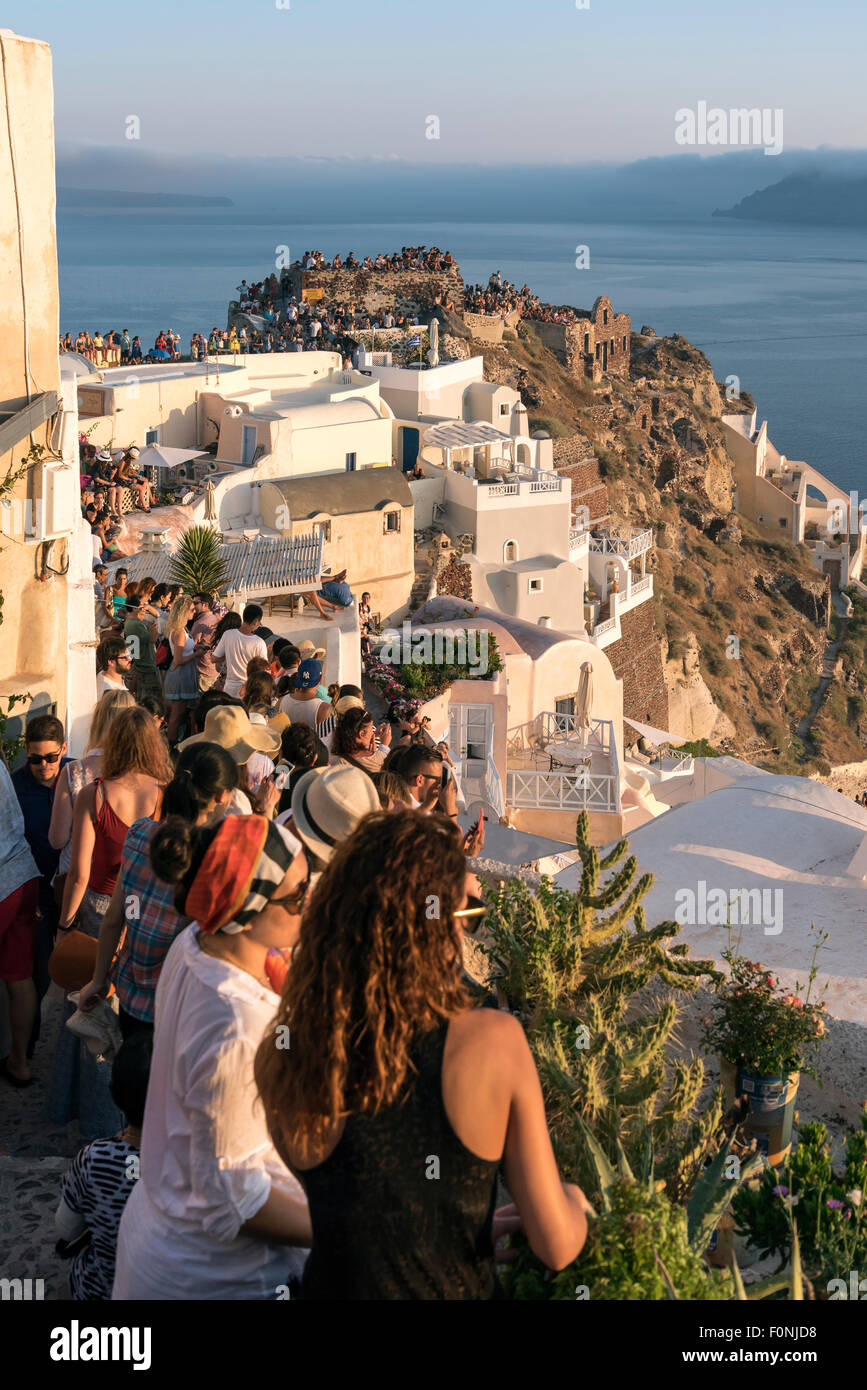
(402, 1209)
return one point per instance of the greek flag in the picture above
(416, 341)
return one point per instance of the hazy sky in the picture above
(508, 79)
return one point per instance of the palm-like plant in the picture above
(197, 564)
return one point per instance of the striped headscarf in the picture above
(242, 868)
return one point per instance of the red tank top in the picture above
(107, 852)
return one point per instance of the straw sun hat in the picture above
(229, 726)
(307, 649)
(327, 806)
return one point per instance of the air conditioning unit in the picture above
(233, 411)
(54, 514)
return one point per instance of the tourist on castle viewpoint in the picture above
(237, 646)
(113, 662)
(216, 1213)
(182, 682)
(390, 1069)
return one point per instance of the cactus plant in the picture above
(571, 965)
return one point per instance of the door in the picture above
(409, 454)
(469, 730)
(248, 443)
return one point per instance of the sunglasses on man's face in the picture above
(37, 759)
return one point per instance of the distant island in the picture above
(809, 199)
(112, 197)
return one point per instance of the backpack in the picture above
(163, 654)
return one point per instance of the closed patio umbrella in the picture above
(584, 697)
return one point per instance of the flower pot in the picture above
(771, 1101)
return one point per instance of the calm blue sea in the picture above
(784, 309)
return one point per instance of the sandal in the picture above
(16, 1081)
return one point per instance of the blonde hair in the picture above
(174, 623)
(135, 744)
(111, 703)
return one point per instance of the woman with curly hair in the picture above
(393, 1079)
(355, 741)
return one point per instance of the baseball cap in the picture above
(308, 675)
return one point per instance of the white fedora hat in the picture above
(327, 806)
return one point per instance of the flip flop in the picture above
(16, 1081)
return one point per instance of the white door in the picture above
(469, 736)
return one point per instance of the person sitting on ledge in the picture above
(335, 593)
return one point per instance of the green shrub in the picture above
(630, 1253)
(555, 426)
(765, 622)
(685, 584)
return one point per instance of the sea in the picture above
(782, 309)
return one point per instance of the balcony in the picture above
(557, 763)
(627, 542)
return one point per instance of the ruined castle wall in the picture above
(637, 660)
(408, 291)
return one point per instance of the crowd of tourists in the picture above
(500, 297)
(119, 349)
(408, 258)
(253, 896)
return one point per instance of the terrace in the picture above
(561, 762)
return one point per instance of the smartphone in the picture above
(280, 776)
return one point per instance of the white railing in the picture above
(622, 541)
(673, 763)
(562, 791)
(577, 537)
(550, 727)
(641, 586)
(549, 484)
(502, 489)
(610, 625)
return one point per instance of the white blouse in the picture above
(207, 1161)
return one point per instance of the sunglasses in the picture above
(36, 759)
(293, 902)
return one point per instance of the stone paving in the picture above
(33, 1156)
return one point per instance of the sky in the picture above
(506, 80)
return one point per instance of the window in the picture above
(504, 407)
(152, 436)
(510, 552)
(586, 342)
(598, 350)
(392, 522)
(782, 521)
(535, 586)
(624, 343)
(605, 316)
(350, 463)
(644, 422)
(324, 527)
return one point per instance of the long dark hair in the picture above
(374, 968)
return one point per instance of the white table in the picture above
(568, 755)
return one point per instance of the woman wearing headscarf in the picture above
(216, 1214)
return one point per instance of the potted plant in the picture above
(766, 1037)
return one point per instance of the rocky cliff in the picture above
(742, 620)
